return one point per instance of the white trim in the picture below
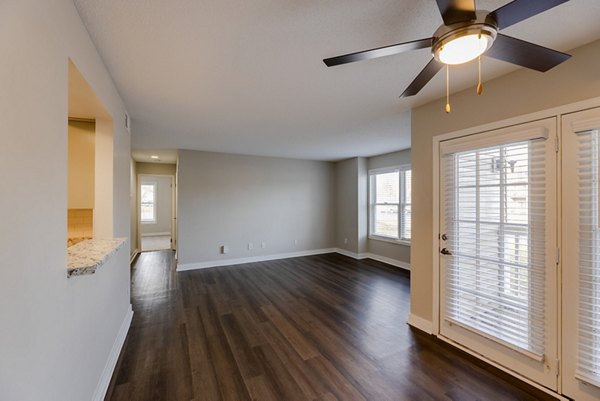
(350, 254)
(492, 138)
(389, 261)
(156, 234)
(113, 357)
(435, 236)
(504, 369)
(135, 252)
(262, 258)
(420, 323)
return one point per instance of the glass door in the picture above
(581, 260)
(498, 266)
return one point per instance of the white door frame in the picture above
(435, 203)
(173, 209)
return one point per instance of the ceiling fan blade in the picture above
(379, 52)
(525, 54)
(454, 11)
(423, 78)
(519, 10)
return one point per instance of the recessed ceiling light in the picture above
(154, 157)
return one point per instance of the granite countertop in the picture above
(86, 256)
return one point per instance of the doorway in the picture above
(498, 222)
(156, 212)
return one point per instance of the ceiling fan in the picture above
(467, 34)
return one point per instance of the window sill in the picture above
(390, 240)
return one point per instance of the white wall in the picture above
(234, 200)
(515, 94)
(398, 252)
(53, 345)
(164, 201)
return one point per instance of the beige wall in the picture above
(233, 200)
(516, 94)
(82, 145)
(156, 168)
(133, 234)
(164, 200)
(53, 345)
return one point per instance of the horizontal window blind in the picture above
(495, 226)
(588, 360)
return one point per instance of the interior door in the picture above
(498, 269)
(581, 255)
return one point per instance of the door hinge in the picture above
(556, 144)
(558, 368)
(557, 256)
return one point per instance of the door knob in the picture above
(445, 251)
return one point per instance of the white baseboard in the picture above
(389, 261)
(264, 258)
(420, 323)
(350, 254)
(261, 258)
(113, 357)
(156, 234)
(368, 255)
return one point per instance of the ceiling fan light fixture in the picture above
(463, 45)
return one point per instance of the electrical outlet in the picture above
(295, 242)
(263, 245)
(224, 249)
(345, 240)
(250, 246)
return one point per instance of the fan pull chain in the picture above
(479, 84)
(447, 88)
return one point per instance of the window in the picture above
(148, 203)
(389, 204)
(495, 223)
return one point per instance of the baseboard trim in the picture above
(156, 234)
(350, 254)
(113, 357)
(264, 258)
(389, 261)
(420, 323)
(252, 259)
(379, 258)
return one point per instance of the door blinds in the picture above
(588, 361)
(495, 203)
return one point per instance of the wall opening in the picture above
(90, 163)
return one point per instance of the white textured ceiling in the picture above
(247, 77)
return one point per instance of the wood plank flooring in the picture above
(314, 328)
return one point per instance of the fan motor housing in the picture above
(484, 24)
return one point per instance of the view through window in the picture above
(390, 205)
(148, 203)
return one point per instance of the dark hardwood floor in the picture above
(313, 328)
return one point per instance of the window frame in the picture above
(401, 205)
(153, 203)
